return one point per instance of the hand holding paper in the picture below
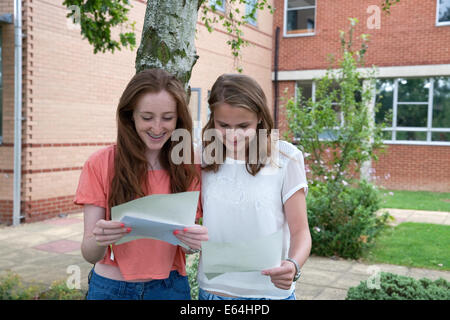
(108, 232)
(157, 216)
(281, 276)
(192, 236)
(243, 256)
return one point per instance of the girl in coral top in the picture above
(152, 106)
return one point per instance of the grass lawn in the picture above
(416, 200)
(410, 244)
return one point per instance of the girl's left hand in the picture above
(281, 276)
(192, 236)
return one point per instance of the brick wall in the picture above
(400, 167)
(71, 95)
(405, 167)
(408, 36)
(6, 149)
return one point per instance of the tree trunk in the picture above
(168, 37)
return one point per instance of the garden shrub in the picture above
(13, 288)
(191, 270)
(59, 291)
(337, 134)
(396, 287)
(343, 219)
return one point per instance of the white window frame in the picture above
(429, 129)
(218, 8)
(313, 98)
(285, 35)
(394, 129)
(440, 24)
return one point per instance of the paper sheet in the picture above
(244, 256)
(157, 216)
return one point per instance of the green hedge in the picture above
(396, 287)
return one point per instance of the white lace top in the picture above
(238, 206)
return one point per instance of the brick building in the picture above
(410, 47)
(70, 97)
(70, 94)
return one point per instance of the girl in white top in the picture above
(249, 195)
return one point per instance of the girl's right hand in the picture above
(108, 232)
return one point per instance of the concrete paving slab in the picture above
(435, 274)
(447, 221)
(63, 221)
(401, 270)
(361, 269)
(28, 240)
(75, 253)
(29, 256)
(77, 215)
(421, 218)
(62, 231)
(304, 291)
(349, 280)
(369, 269)
(430, 213)
(4, 249)
(329, 264)
(395, 212)
(59, 246)
(319, 277)
(76, 237)
(332, 294)
(7, 233)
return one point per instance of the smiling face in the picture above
(155, 118)
(237, 126)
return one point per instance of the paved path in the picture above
(401, 215)
(43, 252)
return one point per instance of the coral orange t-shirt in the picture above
(142, 258)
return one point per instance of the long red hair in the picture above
(130, 164)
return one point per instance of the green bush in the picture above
(191, 270)
(343, 218)
(12, 288)
(59, 291)
(396, 287)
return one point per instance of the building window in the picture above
(419, 110)
(299, 17)
(443, 13)
(250, 6)
(307, 89)
(1, 88)
(218, 5)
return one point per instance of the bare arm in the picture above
(300, 243)
(99, 233)
(296, 214)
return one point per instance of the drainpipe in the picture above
(275, 82)
(17, 110)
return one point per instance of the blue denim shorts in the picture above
(175, 287)
(205, 295)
